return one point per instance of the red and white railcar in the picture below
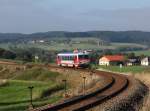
(75, 59)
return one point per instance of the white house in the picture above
(111, 60)
(145, 61)
(41, 41)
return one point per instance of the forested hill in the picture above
(112, 36)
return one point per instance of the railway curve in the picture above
(116, 85)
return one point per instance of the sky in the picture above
(30, 16)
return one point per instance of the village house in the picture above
(133, 61)
(145, 61)
(41, 41)
(111, 60)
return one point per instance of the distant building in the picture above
(133, 61)
(41, 41)
(32, 42)
(145, 61)
(36, 58)
(111, 60)
(102, 43)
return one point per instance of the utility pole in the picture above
(65, 85)
(30, 89)
(84, 85)
(91, 74)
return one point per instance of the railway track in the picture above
(116, 84)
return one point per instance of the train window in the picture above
(81, 56)
(67, 57)
(71, 58)
(86, 57)
(64, 58)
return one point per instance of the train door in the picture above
(58, 60)
(76, 61)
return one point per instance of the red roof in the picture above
(115, 57)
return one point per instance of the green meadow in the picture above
(124, 69)
(80, 43)
(15, 94)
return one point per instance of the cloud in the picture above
(122, 19)
(29, 16)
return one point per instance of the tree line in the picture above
(28, 54)
(110, 36)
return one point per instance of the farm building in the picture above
(145, 61)
(133, 61)
(111, 60)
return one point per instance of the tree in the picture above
(131, 55)
(8, 55)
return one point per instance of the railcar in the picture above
(75, 59)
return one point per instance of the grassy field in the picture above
(15, 95)
(145, 52)
(57, 46)
(131, 69)
(128, 45)
(83, 44)
(37, 74)
(14, 92)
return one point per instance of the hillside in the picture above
(111, 36)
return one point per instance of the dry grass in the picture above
(75, 80)
(145, 78)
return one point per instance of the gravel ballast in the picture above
(131, 99)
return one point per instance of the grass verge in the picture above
(131, 69)
(16, 95)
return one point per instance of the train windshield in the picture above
(83, 57)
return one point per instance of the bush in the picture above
(93, 66)
(3, 83)
(50, 91)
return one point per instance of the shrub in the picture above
(52, 90)
(4, 83)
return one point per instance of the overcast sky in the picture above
(29, 16)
